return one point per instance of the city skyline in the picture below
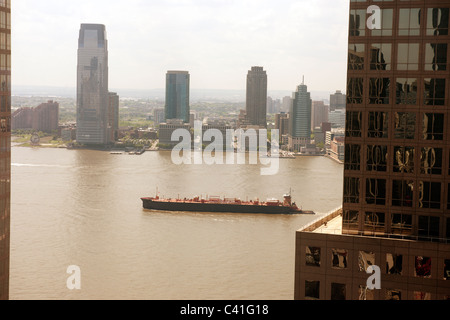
(220, 36)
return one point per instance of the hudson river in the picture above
(83, 208)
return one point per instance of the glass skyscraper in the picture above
(396, 199)
(5, 145)
(92, 86)
(177, 95)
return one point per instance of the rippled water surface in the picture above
(80, 207)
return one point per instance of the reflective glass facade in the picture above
(5, 144)
(397, 132)
(92, 86)
(177, 95)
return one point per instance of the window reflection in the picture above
(376, 191)
(437, 21)
(433, 126)
(401, 224)
(357, 23)
(378, 125)
(387, 20)
(430, 195)
(352, 157)
(374, 222)
(434, 92)
(408, 56)
(380, 56)
(351, 190)
(402, 193)
(356, 54)
(379, 90)
(404, 125)
(350, 220)
(355, 90)
(409, 22)
(404, 159)
(353, 124)
(376, 158)
(436, 56)
(406, 91)
(394, 263)
(431, 161)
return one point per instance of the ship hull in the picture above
(151, 204)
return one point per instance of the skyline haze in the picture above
(288, 38)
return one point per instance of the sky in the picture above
(217, 41)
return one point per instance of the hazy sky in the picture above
(217, 41)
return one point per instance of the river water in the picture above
(83, 208)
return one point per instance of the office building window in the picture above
(352, 157)
(350, 220)
(351, 190)
(357, 25)
(436, 56)
(379, 90)
(393, 294)
(356, 52)
(428, 227)
(422, 267)
(376, 191)
(355, 89)
(378, 126)
(431, 161)
(380, 56)
(437, 21)
(447, 269)
(403, 159)
(401, 224)
(313, 256)
(406, 91)
(433, 126)
(402, 193)
(394, 263)
(404, 125)
(387, 20)
(339, 258)
(353, 124)
(312, 289)
(374, 222)
(409, 22)
(429, 195)
(408, 56)
(365, 259)
(377, 158)
(338, 291)
(434, 92)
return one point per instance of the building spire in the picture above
(303, 81)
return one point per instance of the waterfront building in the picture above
(92, 86)
(396, 199)
(256, 102)
(44, 117)
(166, 130)
(300, 118)
(5, 146)
(177, 96)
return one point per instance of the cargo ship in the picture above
(225, 205)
